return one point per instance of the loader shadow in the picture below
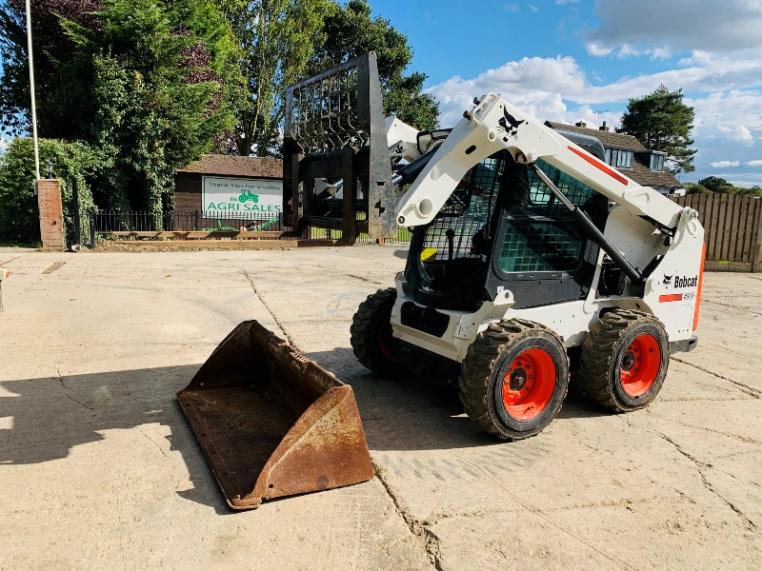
(43, 419)
(409, 413)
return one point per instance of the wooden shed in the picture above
(220, 184)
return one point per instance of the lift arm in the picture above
(493, 125)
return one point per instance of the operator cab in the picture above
(503, 227)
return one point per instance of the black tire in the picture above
(371, 333)
(487, 365)
(608, 360)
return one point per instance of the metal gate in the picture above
(732, 227)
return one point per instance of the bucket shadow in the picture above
(48, 417)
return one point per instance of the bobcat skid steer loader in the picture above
(530, 257)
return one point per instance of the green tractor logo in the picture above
(245, 196)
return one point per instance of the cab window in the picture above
(538, 231)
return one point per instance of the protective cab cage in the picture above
(503, 225)
(336, 164)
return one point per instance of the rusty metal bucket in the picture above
(272, 422)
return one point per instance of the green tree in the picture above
(349, 31)
(50, 46)
(287, 40)
(152, 84)
(663, 122)
(72, 163)
(716, 184)
(278, 38)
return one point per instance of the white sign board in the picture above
(222, 195)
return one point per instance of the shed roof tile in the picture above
(232, 165)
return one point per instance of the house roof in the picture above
(644, 176)
(231, 165)
(640, 171)
(607, 138)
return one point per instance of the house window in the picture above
(619, 158)
(657, 162)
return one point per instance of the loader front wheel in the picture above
(514, 379)
(624, 360)
(371, 333)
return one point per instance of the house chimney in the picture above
(580, 124)
(603, 127)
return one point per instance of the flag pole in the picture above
(31, 90)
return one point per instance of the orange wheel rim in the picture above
(384, 345)
(639, 365)
(529, 384)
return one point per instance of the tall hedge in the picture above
(69, 162)
(152, 84)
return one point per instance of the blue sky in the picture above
(575, 60)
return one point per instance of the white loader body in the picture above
(641, 225)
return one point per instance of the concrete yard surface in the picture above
(98, 468)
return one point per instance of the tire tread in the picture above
(479, 364)
(598, 354)
(363, 331)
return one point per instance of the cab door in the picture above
(540, 252)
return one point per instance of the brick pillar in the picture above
(51, 215)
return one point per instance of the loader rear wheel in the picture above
(624, 360)
(514, 378)
(371, 333)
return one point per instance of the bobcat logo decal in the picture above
(509, 124)
(667, 279)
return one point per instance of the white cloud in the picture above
(754, 163)
(726, 93)
(534, 83)
(710, 73)
(724, 164)
(738, 133)
(534, 8)
(563, 2)
(661, 52)
(715, 25)
(598, 49)
(512, 7)
(628, 50)
(729, 117)
(562, 75)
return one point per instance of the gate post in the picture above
(92, 230)
(50, 206)
(756, 245)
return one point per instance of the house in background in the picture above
(626, 153)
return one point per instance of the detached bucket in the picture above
(272, 422)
